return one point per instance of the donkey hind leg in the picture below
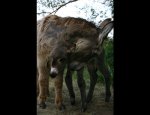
(58, 92)
(106, 75)
(93, 79)
(104, 70)
(68, 80)
(48, 94)
(81, 84)
(42, 81)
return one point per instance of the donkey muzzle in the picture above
(53, 72)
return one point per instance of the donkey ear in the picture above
(105, 31)
(106, 21)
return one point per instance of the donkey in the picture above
(94, 64)
(61, 42)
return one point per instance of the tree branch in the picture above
(62, 6)
(42, 12)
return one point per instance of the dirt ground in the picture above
(96, 107)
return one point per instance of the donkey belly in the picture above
(75, 65)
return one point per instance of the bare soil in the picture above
(96, 107)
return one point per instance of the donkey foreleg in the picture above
(68, 80)
(58, 92)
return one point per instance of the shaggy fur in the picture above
(62, 41)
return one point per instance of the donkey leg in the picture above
(48, 94)
(93, 80)
(106, 75)
(68, 80)
(37, 84)
(104, 70)
(43, 77)
(58, 92)
(81, 84)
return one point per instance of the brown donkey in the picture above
(61, 42)
(94, 64)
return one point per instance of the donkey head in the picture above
(58, 59)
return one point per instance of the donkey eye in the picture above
(61, 60)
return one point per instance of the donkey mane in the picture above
(66, 21)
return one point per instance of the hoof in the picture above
(107, 99)
(42, 105)
(88, 100)
(83, 109)
(72, 101)
(62, 108)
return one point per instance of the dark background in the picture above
(18, 57)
